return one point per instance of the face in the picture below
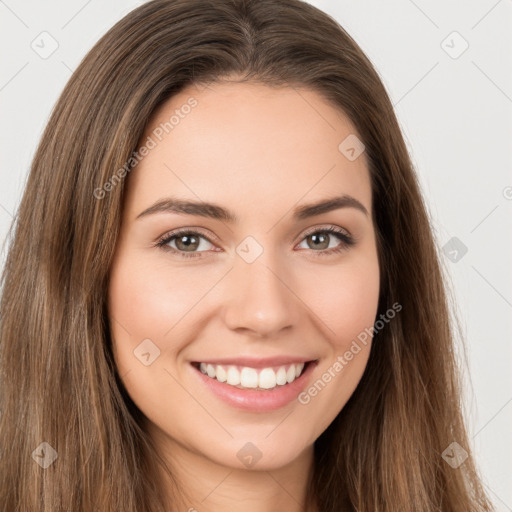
(253, 285)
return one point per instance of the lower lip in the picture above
(254, 400)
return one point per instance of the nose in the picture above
(262, 300)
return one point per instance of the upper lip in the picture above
(254, 362)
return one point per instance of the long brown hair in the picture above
(59, 386)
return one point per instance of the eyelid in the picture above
(180, 231)
(314, 229)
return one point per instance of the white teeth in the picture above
(290, 374)
(233, 376)
(281, 376)
(267, 378)
(249, 378)
(264, 378)
(210, 370)
(220, 374)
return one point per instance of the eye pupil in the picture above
(318, 237)
(190, 241)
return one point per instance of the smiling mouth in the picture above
(245, 377)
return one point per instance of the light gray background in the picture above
(455, 111)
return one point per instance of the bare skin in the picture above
(259, 152)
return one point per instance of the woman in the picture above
(223, 291)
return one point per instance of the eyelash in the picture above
(347, 241)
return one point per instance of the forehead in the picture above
(247, 145)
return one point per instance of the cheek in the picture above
(145, 302)
(153, 301)
(345, 298)
(346, 301)
(357, 300)
(136, 305)
(149, 300)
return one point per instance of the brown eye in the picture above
(186, 243)
(320, 239)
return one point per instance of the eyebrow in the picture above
(214, 211)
